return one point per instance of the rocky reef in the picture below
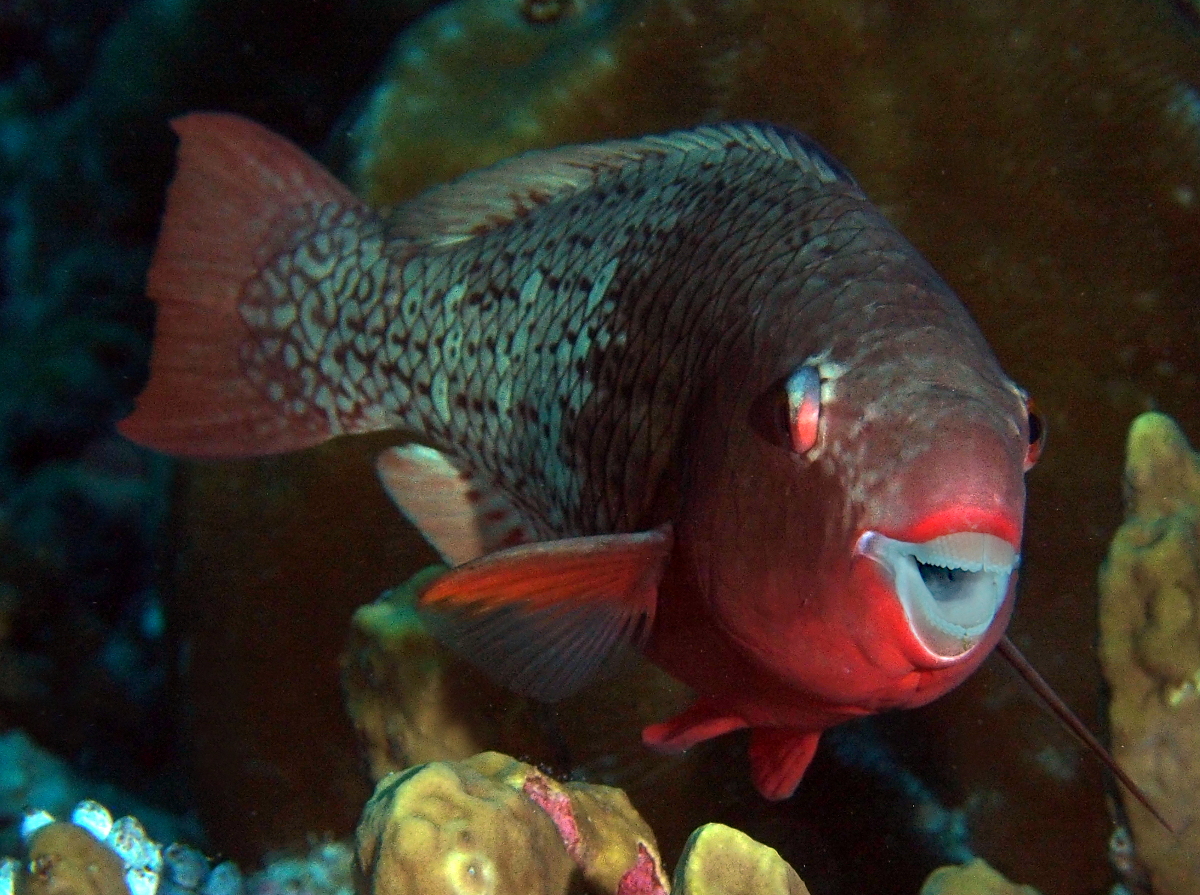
(486, 825)
(1150, 648)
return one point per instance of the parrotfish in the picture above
(690, 394)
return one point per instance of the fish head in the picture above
(858, 532)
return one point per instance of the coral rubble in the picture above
(1150, 647)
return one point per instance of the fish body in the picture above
(689, 393)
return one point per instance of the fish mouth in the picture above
(950, 587)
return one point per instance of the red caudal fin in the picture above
(241, 196)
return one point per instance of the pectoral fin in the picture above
(544, 618)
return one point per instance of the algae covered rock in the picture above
(975, 878)
(1150, 646)
(496, 825)
(719, 860)
(411, 700)
(65, 859)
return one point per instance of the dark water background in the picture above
(1044, 156)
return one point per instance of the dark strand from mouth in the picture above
(1071, 721)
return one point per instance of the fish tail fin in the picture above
(240, 197)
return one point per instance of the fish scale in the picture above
(620, 480)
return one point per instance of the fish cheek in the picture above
(760, 531)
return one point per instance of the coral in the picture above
(90, 854)
(412, 702)
(493, 824)
(1150, 647)
(65, 859)
(93, 854)
(496, 825)
(719, 860)
(489, 824)
(975, 878)
(31, 776)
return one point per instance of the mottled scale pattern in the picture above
(561, 349)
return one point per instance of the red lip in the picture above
(956, 519)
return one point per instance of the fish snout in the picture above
(945, 544)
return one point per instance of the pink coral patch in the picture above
(643, 877)
(557, 805)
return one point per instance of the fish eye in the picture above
(789, 413)
(1037, 434)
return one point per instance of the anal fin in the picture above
(544, 618)
(456, 511)
(779, 756)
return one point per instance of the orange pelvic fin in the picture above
(230, 209)
(544, 618)
(703, 720)
(779, 756)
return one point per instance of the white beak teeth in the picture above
(950, 587)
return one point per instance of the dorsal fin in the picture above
(483, 200)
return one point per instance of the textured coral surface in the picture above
(1150, 647)
(493, 824)
(975, 878)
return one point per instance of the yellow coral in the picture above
(975, 878)
(64, 859)
(719, 860)
(1150, 645)
(492, 824)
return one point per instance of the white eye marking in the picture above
(804, 407)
